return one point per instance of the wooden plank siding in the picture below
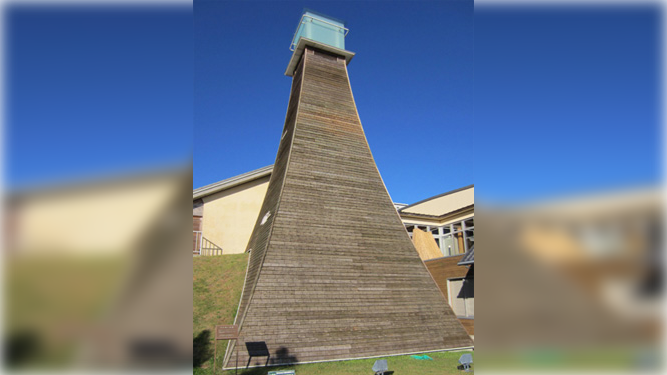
(332, 272)
(445, 268)
(469, 325)
(441, 270)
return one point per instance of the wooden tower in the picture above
(332, 273)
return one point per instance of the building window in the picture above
(462, 296)
(453, 239)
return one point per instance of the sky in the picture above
(411, 77)
(524, 102)
(567, 100)
(95, 91)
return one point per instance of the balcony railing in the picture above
(320, 29)
(202, 246)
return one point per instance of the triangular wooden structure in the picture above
(425, 245)
(332, 273)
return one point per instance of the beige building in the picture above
(224, 213)
(442, 229)
(607, 244)
(448, 218)
(90, 218)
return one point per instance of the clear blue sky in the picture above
(95, 91)
(412, 79)
(567, 100)
(564, 100)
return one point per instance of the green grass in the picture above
(48, 300)
(442, 363)
(586, 358)
(217, 284)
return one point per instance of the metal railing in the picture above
(202, 246)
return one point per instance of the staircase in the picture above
(202, 246)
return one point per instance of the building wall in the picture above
(93, 218)
(443, 269)
(451, 239)
(230, 215)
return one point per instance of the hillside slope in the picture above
(217, 284)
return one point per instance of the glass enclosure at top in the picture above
(321, 29)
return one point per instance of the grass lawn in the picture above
(217, 284)
(442, 363)
(47, 298)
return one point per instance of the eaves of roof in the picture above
(231, 182)
(414, 215)
(437, 196)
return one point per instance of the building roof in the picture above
(444, 203)
(614, 202)
(468, 258)
(231, 182)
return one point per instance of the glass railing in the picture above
(320, 29)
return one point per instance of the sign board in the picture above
(227, 332)
(282, 372)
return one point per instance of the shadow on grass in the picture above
(22, 348)
(463, 368)
(201, 348)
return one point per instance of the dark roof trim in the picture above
(110, 181)
(438, 196)
(468, 258)
(231, 182)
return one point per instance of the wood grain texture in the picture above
(226, 332)
(441, 270)
(425, 245)
(446, 268)
(469, 325)
(332, 272)
(196, 223)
